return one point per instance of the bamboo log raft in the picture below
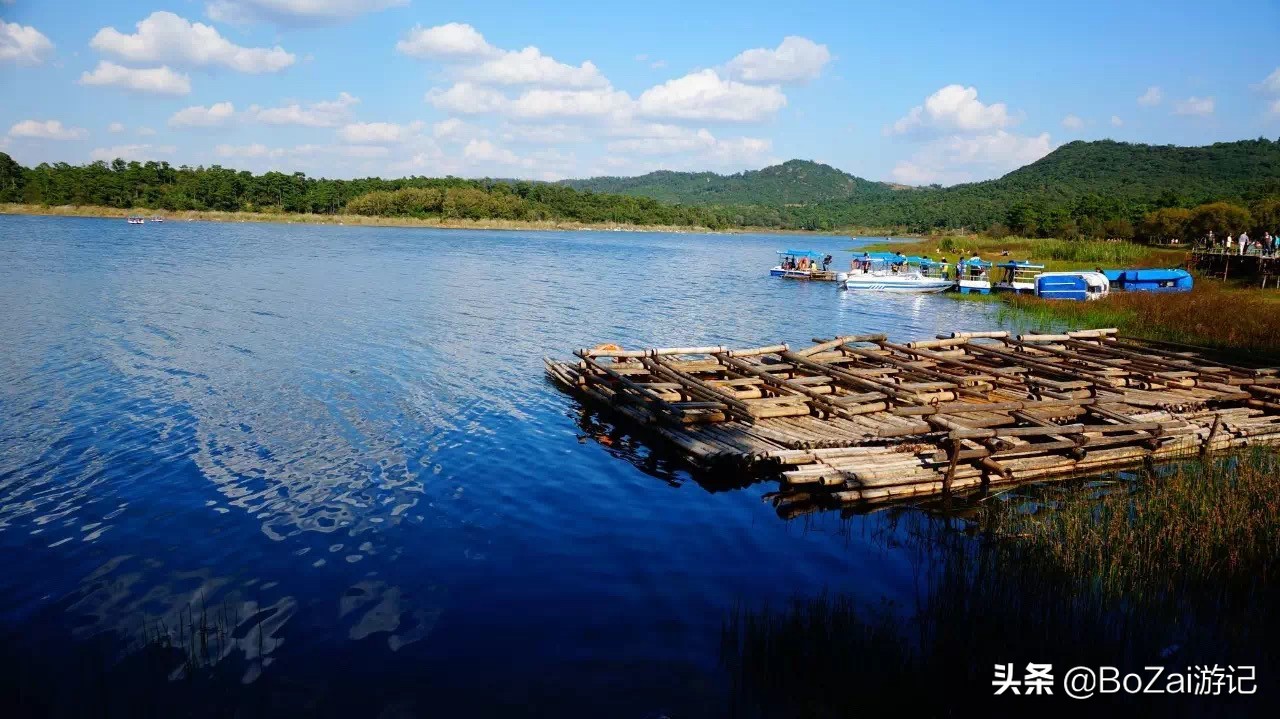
(865, 420)
(859, 419)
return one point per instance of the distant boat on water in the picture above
(157, 218)
(136, 221)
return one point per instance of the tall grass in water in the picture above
(1212, 314)
(1176, 569)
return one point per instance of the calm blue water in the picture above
(343, 436)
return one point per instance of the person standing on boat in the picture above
(826, 262)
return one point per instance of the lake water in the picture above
(340, 442)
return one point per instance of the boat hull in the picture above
(862, 283)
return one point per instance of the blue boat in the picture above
(1150, 280)
(974, 275)
(1077, 286)
(803, 265)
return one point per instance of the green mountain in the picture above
(795, 182)
(1078, 186)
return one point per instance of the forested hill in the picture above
(1107, 167)
(795, 182)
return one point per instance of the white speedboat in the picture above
(890, 273)
(136, 221)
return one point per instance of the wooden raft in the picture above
(864, 419)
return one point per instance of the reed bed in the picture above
(1213, 315)
(1176, 568)
(1054, 254)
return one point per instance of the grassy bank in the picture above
(1053, 254)
(1175, 568)
(376, 221)
(1235, 319)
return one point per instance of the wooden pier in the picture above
(1220, 264)
(860, 419)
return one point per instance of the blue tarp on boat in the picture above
(811, 254)
(1150, 280)
(1062, 287)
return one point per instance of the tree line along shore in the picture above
(1080, 191)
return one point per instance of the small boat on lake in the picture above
(135, 221)
(885, 272)
(1018, 276)
(803, 265)
(157, 218)
(1150, 280)
(974, 275)
(1079, 286)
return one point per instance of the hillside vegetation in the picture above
(791, 183)
(1074, 190)
(1083, 189)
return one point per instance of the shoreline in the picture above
(291, 218)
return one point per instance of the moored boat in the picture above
(894, 273)
(1018, 276)
(1150, 280)
(1077, 286)
(803, 265)
(974, 275)
(135, 221)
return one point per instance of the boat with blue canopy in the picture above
(895, 272)
(974, 275)
(1018, 276)
(803, 265)
(1079, 286)
(1150, 280)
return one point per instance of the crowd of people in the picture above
(1267, 246)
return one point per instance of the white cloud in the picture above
(140, 153)
(1116, 121)
(1152, 97)
(570, 103)
(165, 37)
(218, 115)
(545, 134)
(675, 140)
(1072, 122)
(260, 151)
(115, 127)
(485, 151)
(467, 99)
(1272, 83)
(797, 59)
(46, 130)
(159, 80)
(23, 44)
(1274, 110)
(454, 41)
(455, 130)
(378, 133)
(329, 113)
(964, 158)
(294, 11)
(705, 95)
(530, 67)
(1194, 106)
(953, 107)
(255, 150)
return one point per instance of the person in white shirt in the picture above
(1228, 243)
(1244, 242)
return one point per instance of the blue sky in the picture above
(908, 92)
